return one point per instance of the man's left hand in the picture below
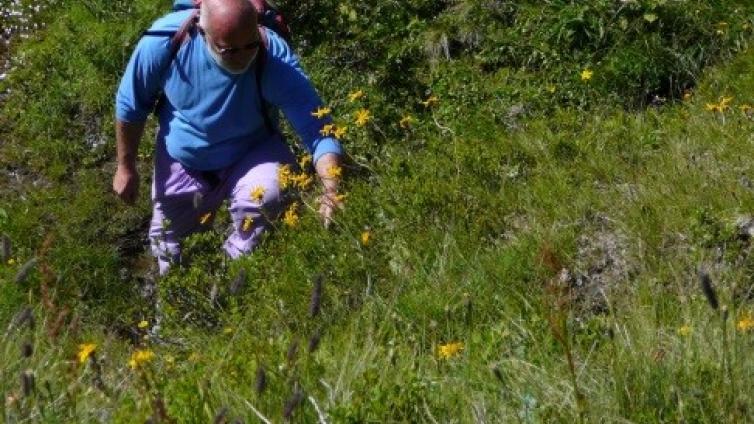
(330, 172)
(328, 204)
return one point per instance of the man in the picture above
(215, 140)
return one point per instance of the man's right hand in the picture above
(126, 184)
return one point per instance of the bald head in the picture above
(222, 17)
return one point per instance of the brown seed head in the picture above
(707, 289)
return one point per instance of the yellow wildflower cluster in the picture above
(321, 112)
(290, 218)
(140, 358)
(449, 350)
(204, 219)
(721, 106)
(746, 323)
(406, 121)
(334, 130)
(340, 132)
(248, 221)
(305, 161)
(302, 181)
(257, 193)
(356, 95)
(684, 330)
(143, 324)
(362, 117)
(430, 102)
(366, 237)
(334, 172)
(587, 74)
(284, 176)
(328, 129)
(85, 351)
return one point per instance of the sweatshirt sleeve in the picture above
(285, 85)
(142, 79)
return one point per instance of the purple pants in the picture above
(185, 200)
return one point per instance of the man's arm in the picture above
(285, 85)
(126, 179)
(329, 201)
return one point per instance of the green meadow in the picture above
(549, 210)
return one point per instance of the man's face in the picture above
(234, 48)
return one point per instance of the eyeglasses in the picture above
(229, 51)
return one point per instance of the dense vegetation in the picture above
(532, 207)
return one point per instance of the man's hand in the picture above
(328, 203)
(330, 172)
(126, 179)
(126, 184)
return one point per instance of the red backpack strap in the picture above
(188, 26)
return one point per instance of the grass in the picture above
(473, 212)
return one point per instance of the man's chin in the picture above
(237, 69)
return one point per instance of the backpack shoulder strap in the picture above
(259, 66)
(179, 36)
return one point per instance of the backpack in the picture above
(269, 16)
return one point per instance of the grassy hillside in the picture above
(531, 211)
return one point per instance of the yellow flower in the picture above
(302, 181)
(247, 222)
(11, 261)
(257, 194)
(551, 88)
(586, 74)
(684, 330)
(327, 130)
(305, 161)
(85, 351)
(140, 357)
(366, 237)
(722, 106)
(291, 217)
(321, 112)
(284, 176)
(340, 132)
(143, 324)
(205, 218)
(746, 323)
(406, 121)
(449, 350)
(334, 171)
(725, 102)
(356, 95)
(431, 101)
(362, 117)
